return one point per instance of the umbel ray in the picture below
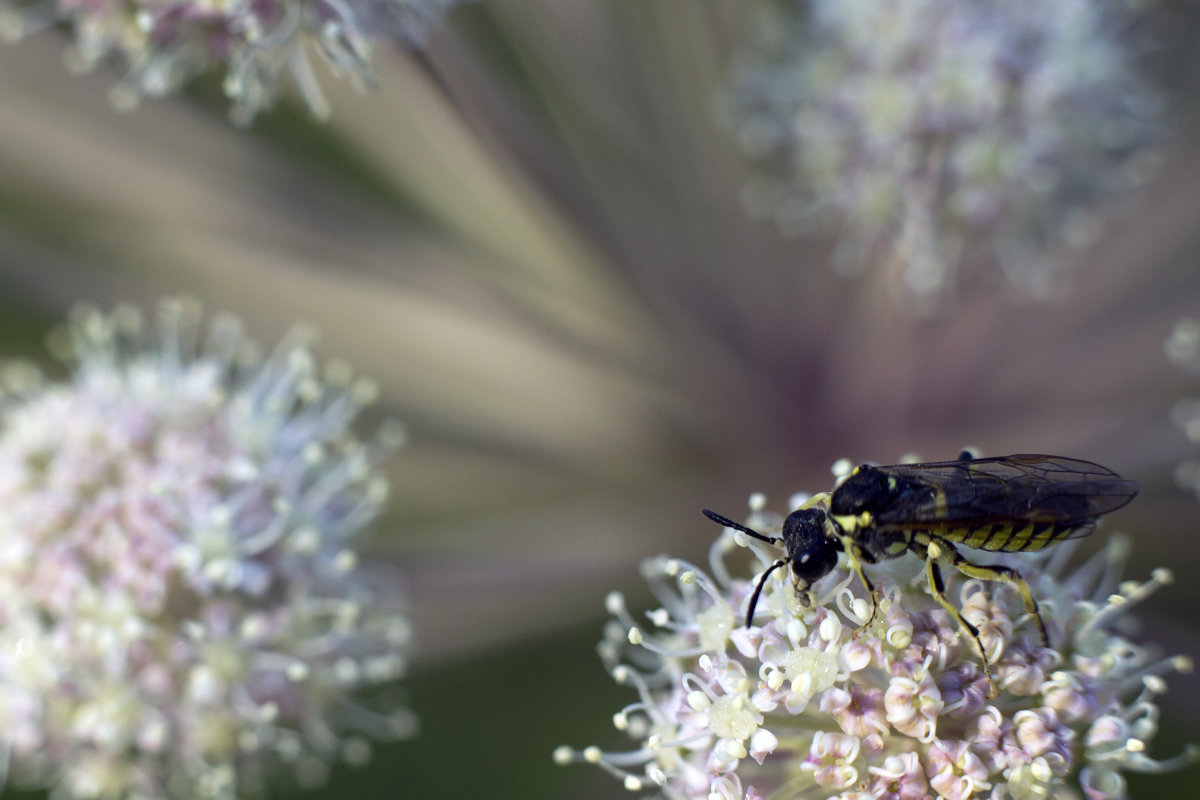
(1007, 504)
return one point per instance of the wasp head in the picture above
(810, 550)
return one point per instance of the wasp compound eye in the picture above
(812, 553)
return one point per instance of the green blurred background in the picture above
(531, 235)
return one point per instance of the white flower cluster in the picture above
(937, 134)
(262, 44)
(1183, 350)
(181, 611)
(812, 702)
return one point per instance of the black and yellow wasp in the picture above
(1008, 504)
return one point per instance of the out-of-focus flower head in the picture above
(936, 134)
(262, 45)
(181, 611)
(809, 703)
(1183, 350)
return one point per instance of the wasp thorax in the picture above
(812, 553)
(867, 489)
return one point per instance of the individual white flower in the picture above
(894, 710)
(181, 609)
(939, 134)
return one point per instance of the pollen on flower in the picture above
(810, 670)
(260, 46)
(715, 625)
(732, 717)
(197, 625)
(809, 702)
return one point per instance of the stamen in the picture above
(1130, 596)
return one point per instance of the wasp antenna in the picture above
(728, 523)
(758, 590)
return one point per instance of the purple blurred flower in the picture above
(896, 709)
(181, 612)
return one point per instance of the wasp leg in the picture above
(1007, 575)
(856, 556)
(932, 551)
(821, 499)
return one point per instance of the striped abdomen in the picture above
(1012, 537)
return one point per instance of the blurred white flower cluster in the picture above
(1183, 350)
(181, 612)
(935, 134)
(262, 44)
(808, 703)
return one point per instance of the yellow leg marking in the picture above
(817, 499)
(854, 556)
(933, 553)
(1005, 575)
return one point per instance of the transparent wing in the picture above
(1065, 492)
